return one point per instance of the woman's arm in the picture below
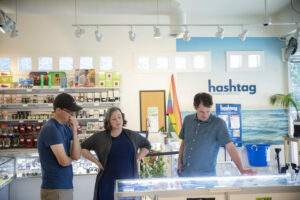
(143, 152)
(88, 155)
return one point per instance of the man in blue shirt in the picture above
(58, 146)
(202, 135)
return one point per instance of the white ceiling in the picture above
(207, 8)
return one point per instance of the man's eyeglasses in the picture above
(69, 112)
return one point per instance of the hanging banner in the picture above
(232, 115)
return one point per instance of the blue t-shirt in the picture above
(202, 140)
(55, 176)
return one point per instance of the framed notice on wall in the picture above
(231, 114)
(152, 110)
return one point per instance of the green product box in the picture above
(108, 75)
(116, 75)
(108, 83)
(264, 198)
(101, 79)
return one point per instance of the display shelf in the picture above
(7, 169)
(50, 105)
(44, 120)
(197, 186)
(28, 164)
(52, 90)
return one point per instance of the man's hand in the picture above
(248, 172)
(73, 123)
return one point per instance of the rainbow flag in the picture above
(173, 110)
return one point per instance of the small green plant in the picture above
(153, 167)
(285, 100)
(164, 132)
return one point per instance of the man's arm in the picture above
(180, 156)
(60, 154)
(236, 159)
(75, 148)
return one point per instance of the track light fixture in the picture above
(14, 33)
(186, 36)
(156, 34)
(220, 33)
(243, 34)
(79, 32)
(132, 35)
(98, 35)
(7, 24)
(268, 20)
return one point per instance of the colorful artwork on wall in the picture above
(261, 126)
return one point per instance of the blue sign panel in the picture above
(231, 114)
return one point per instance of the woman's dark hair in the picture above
(108, 114)
(204, 98)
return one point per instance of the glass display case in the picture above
(29, 166)
(197, 186)
(7, 168)
(26, 163)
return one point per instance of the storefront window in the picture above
(106, 63)
(86, 62)
(65, 63)
(45, 63)
(25, 63)
(4, 63)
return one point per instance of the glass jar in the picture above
(22, 128)
(7, 141)
(28, 141)
(16, 128)
(90, 97)
(10, 128)
(21, 141)
(35, 99)
(4, 129)
(1, 141)
(38, 127)
(15, 140)
(7, 99)
(28, 128)
(35, 139)
(4, 115)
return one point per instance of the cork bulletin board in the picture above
(152, 99)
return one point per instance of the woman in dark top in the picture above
(116, 149)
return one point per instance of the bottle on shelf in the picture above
(42, 81)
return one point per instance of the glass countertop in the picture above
(169, 184)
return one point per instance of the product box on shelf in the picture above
(36, 76)
(109, 79)
(85, 78)
(5, 79)
(56, 76)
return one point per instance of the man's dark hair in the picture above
(108, 114)
(204, 98)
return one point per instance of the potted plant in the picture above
(286, 100)
(167, 135)
(153, 167)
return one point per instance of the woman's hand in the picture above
(100, 166)
(140, 158)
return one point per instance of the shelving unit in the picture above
(53, 90)
(37, 108)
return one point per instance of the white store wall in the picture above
(53, 35)
(48, 35)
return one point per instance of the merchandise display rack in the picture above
(25, 110)
(54, 90)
